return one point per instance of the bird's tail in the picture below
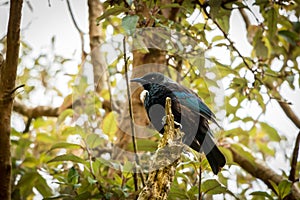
(215, 157)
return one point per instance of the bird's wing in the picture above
(194, 103)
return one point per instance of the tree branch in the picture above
(285, 106)
(95, 33)
(165, 160)
(290, 113)
(262, 172)
(81, 33)
(245, 17)
(35, 112)
(292, 176)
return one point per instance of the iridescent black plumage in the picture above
(188, 110)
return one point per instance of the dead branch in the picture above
(165, 160)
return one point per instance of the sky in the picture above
(44, 22)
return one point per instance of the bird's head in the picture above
(151, 78)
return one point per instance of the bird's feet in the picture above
(176, 124)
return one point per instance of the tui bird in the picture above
(189, 111)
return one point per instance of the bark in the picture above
(264, 173)
(155, 58)
(284, 105)
(35, 112)
(8, 70)
(165, 160)
(95, 34)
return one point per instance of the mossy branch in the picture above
(165, 160)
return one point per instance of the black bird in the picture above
(189, 111)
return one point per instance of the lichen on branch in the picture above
(165, 160)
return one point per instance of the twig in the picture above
(251, 11)
(285, 106)
(290, 113)
(81, 33)
(131, 115)
(29, 5)
(28, 123)
(245, 17)
(200, 179)
(292, 176)
(90, 156)
(15, 89)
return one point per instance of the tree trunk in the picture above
(95, 33)
(8, 71)
(156, 58)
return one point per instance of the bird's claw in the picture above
(164, 122)
(177, 125)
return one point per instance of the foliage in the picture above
(67, 157)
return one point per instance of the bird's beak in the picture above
(138, 80)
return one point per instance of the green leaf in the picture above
(176, 192)
(264, 148)
(65, 145)
(144, 145)
(227, 153)
(94, 140)
(61, 196)
(272, 22)
(129, 23)
(30, 162)
(112, 11)
(92, 181)
(275, 187)
(129, 2)
(42, 186)
(171, 5)
(109, 125)
(73, 130)
(224, 23)
(244, 152)
(45, 138)
(260, 49)
(272, 132)
(284, 188)
(193, 191)
(260, 193)
(67, 157)
(66, 113)
(212, 186)
(83, 196)
(290, 79)
(290, 37)
(217, 38)
(73, 176)
(225, 70)
(26, 183)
